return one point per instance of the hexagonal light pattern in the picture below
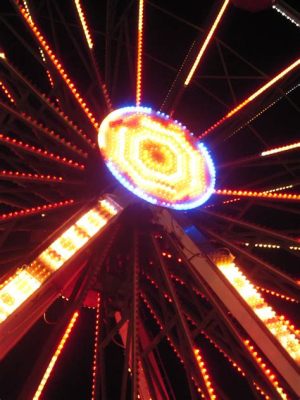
(156, 158)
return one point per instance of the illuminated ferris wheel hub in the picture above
(156, 158)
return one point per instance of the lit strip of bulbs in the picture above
(205, 375)
(27, 280)
(281, 10)
(258, 92)
(96, 349)
(273, 322)
(206, 42)
(55, 356)
(263, 195)
(266, 370)
(281, 149)
(139, 53)
(7, 93)
(45, 46)
(84, 24)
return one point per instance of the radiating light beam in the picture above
(12, 142)
(262, 195)
(55, 356)
(269, 374)
(258, 92)
(84, 24)
(280, 149)
(35, 210)
(90, 45)
(59, 67)
(7, 93)
(96, 349)
(17, 175)
(139, 53)
(204, 373)
(206, 42)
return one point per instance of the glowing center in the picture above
(156, 158)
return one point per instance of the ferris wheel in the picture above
(149, 206)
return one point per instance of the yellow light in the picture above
(206, 42)
(23, 283)
(280, 149)
(274, 323)
(84, 24)
(156, 158)
(16, 291)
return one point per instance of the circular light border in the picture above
(187, 205)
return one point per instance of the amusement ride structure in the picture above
(148, 252)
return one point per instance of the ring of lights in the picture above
(156, 158)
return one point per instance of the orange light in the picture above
(261, 90)
(280, 149)
(262, 364)
(206, 42)
(41, 152)
(28, 176)
(205, 375)
(55, 356)
(139, 53)
(35, 210)
(263, 195)
(156, 158)
(24, 282)
(7, 93)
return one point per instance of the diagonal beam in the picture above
(253, 96)
(34, 287)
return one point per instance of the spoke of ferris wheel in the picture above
(56, 355)
(25, 212)
(125, 333)
(35, 124)
(187, 77)
(51, 105)
(139, 56)
(206, 389)
(266, 153)
(79, 292)
(264, 109)
(90, 48)
(280, 345)
(27, 282)
(257, 379)
(135, 317)
(290, 289)
(56, 63)
(206, 42)
(95, 363)
(200, 377)
(5, 90)
(30, 177)
(254, 227)
(266, 379)
(252, 97)
(258, 195)
(41, 153)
